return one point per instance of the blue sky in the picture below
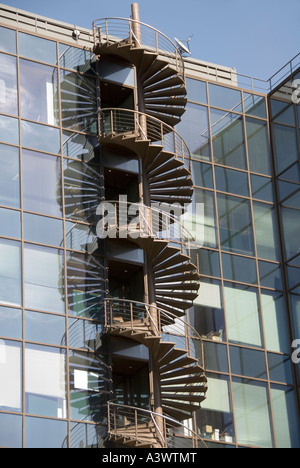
(257, 37)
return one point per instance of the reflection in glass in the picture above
(8, 40)
(10, 272)
(280, 368)
(275, 322)
(81, 60)
(290, 224)
(10, 431)
(226, 98)
(285, 143)
(265, 231)
(262, 188)
(78, 101)
(85, 334)
(236, 232)
(196, 90)
(248, 362)
(202, 174)
(9, 130)
(8, 85)
(41, 183)
(10, 223)
(194, 128)
(242, 315)
(44, 279)
(10, 376)
(283, 112)
(37, 48)
(45, 433)
(78, 146)
(87, 435)
(9, 176)
(44, 328)
(89, 386)
(209, 264)
(216, 357)
(231, 181)
(270, 275)
(215, 420)
(10, 323)
(43, 230)
(205, 231)
(116, 72)
(242, 269)
(86, 285)
(38, 91)
(82, 237)
(228, 139)
(40, 137)
(285, 416)
(252, 413)
(258, 146)
(45, 381)
(255, 105)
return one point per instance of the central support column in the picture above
(150, 288)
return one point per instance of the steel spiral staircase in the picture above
(167, 176)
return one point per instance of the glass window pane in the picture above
(275, 322)
(239, 269)
(202, 174)
(255, 105)
(84, 334)
(44, 279)
(10, 272)
(209, 264)
(236, 231)
(9, 176)
(9, 130)
(216, 357)
(243, 315)
(248, 362)
(207, 314)
(45, 433)
(87, 436)
(8, 40)
(228, 139)
(285, 416)
(10, 431)
(40, 137)
(10, 223)
(38, 85)
(82, 237)
(44, 328)
(280, 368)
(265, 231)
(290, 223)
(78, 102)
(8, 85)
(196, 91)
(231, 181)
(194, 128)
(45, 381)
(43, 230)
(41, 183)
(78, 146)
(258, 146)
(252, 413)
(225, 98)
(215, 420)
(202, 224)
(283, 112)
(262, 188)
(81, 60)
(11, 374)
(36, 48)
(116, 72)
(270, 275)
(10, 322)
(285, 142)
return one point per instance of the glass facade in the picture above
(54, 359)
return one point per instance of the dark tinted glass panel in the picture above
(9, 130)
(255, 105)
(258, 146)
(209, 264)
(196, 91)
(10, 223)
(41, 183)
(202, 174)
(39, 92)
(270, 275)
(280, 368)
(116, 72)
(265, 231)
(36, 48)
(194, 128)
(283, 112)
(9, 176)
(81, 60)
(290, 222)
(78, 146)
(240, 269)
(8, 40)
(262, 188)
(248, 362)
(8, 85)
(228, 139)
(225, 98)
(285, 142)
(40, 137)
(216, 357)
(231, 181)
(235, 225)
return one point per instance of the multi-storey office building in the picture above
(102, 340)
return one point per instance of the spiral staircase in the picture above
(174, 345)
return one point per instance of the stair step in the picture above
(184, 398)
(156, 66)
(170, 120)
(174, 111)
(184, 389)
(192, 370)
(172, 356)
(186, 268)
(176, 183)
(179, 277)
(161, 75)
(179, 305)
(179, 364)
(168, 83)
(164, 348)
(196, 379)
(166, 101)
(178, 91)
(172, 164)
(186, 407)
(170, 175)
